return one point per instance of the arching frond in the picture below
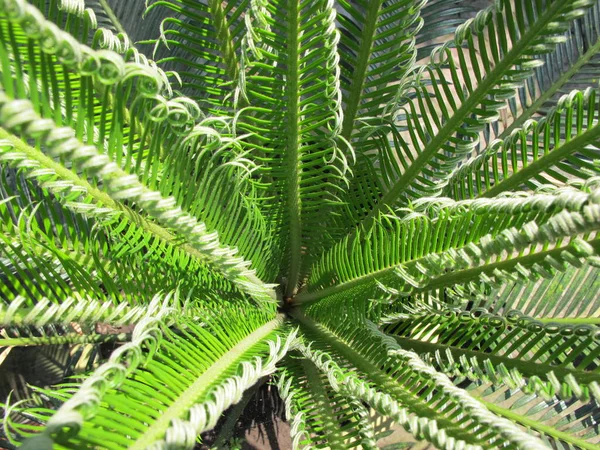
(327, 417)
(408, 386)
(293, 410)
(201, 41)
(376, 52)
(81, 18)
(572, 65)
(130, 179)
(448, 102)
(559, 148)
(178, 403)
(420, 254)
(569, 297)
(77, 254)
(545, 358)
(560, 423)
(57, 341)
(296, 115)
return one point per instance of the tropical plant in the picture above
(311, 190)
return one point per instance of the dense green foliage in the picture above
(308, 191)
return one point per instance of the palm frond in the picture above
(80, 18)
(557, 149)
(220, 367)
(405, 253)
(569, 297)
(56, 341)
(572, 65)
(319, 407)
(297, 119)
(443, 108)
(80, 255)
(376, 52)
(528, 353)
(561, 423)
(408, 386)
(202, 42)
(92, 160)
(327, 416)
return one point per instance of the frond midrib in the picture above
(293, 149)
(469, 274)
(534, 424)
(202, 383)
(106, 201)
(465, 109)
(360, 71)
(527, 368)
(225, 39)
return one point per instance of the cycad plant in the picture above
(313, 190)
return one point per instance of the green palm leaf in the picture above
(568, 297)
(443, 131)
(129, 187)
(221, 364)
(203, 42)
(571, 421)
(303, 158)
(572, 65)
(419, 254)
(516, 349)
(328, 417)
(555, 150)
(394, 379)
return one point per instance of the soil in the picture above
(261, 425)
